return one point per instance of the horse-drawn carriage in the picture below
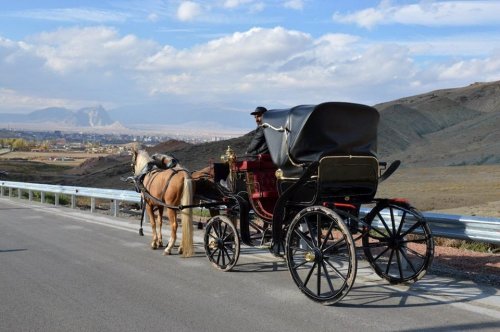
(312, 201)
(306, 199)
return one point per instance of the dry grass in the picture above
(75, 158)
(468, 190)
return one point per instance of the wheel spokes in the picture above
(320, 254)
(408, 260)
(328, 234)
(304, 238)
(405, 252)
(314, 244)
(309, 274)
(337, 272)
(221, 243)
(390, 261)
(384, 223)
(328, 279)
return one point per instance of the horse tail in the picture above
(187, 218)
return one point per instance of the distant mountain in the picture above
(93, 117)
(444, 127)
(85, 117)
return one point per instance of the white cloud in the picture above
(77, 49)
(215, 66)
(294, 4)
(276, 63)
(257, 7)
(435, 14)
(153, 17)
(236, 3)
(460, 45)
(275, 67)
(188, 10)
(74, 15)
(470, 69)
(253, 48)
(71, 66)
(288, 67)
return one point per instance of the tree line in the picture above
(20, 144)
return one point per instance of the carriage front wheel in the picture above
(398, 243)
(321, 255)
(222, 243)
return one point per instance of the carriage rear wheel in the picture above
(321, 255)
(398, 244)
(222, 243)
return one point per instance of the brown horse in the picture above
(166, 188)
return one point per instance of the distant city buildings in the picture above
(94, 142)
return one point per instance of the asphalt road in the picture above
(66, 270)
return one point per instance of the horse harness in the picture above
(143, 187)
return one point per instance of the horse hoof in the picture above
(166, 253)
(179, 251)
(160, 244)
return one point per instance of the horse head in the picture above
(140, 159)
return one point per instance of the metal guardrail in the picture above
(114, 196)
(481, 229)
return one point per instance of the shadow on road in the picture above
(12, 250)
(435, 290)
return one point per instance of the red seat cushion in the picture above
(263, 162)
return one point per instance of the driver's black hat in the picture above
(259, 110)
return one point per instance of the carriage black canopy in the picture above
(309, 132)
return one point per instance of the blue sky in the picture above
(215, 60)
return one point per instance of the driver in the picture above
(258, 144)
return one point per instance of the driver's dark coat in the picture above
(258, 145)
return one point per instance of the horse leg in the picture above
(172, 217)
(159, 222)
(151, 216)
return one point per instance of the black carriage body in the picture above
(310, 132)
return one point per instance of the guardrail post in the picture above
(73, 201)
(42, 196)
(56, 199)
(92, 204)
(10, 192)
(19, 193)
(115, 205)
(30, 195)
(1, 191)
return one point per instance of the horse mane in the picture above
(141, 160)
